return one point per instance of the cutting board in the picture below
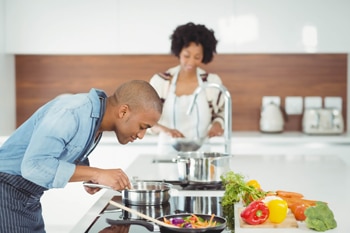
(289, 222)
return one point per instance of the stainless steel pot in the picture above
(147, 193)
(202, 167)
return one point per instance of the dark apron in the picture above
(20, 208)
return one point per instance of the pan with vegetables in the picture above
(177, 223)
(181, 223)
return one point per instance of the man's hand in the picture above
(114, 178)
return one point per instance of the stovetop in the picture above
(176, 205)
(186, 185)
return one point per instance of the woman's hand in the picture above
(171, 132)
(174, 133)
(215, 130)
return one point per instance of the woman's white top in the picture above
(175, 108)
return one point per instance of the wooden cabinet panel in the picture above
(248, 77)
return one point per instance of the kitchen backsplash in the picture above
(248, 77)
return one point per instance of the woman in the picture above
(194, 45)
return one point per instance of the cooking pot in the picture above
(164, 229)
(147, 193)
(202, 167)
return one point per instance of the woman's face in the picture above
(191, 57)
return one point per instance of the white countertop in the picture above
(252, 137)
(243, 137)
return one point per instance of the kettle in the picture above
(271, 118)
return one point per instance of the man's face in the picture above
(133, 125)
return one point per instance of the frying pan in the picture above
(166, 228)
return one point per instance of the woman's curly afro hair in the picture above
(183, 35)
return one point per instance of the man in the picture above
(51, 148)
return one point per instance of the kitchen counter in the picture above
(318, 177)
(110, 154)
(244, 137)
(252, 137)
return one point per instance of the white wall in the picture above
(7, 81)
(137, 26)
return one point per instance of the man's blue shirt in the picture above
(46, 147)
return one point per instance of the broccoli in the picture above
(320, 217)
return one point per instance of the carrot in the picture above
(292, 200)
(288, 194)
(211, 219)
(309, 202)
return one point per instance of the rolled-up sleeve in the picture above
(49, 158)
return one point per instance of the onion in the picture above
(176, 221)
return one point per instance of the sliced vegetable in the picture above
(255, 213)
(278, 210)
(192, 221)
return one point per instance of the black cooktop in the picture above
(176, 204)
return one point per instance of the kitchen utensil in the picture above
(93, 185)
(160, 223)
(271, 118)
(187, 144)
(147, 193)
(166, 228)
(202, 167)
(322, 121)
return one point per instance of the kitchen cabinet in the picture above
(124, 26)
(62, 27)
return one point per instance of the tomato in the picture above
(298, 210)
(254, 183)
(278, 210)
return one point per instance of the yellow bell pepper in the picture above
(278, 210)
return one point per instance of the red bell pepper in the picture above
(255, 213)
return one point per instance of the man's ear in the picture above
(123, 110)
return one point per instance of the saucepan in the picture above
(202, 167)
(147, 193)
(143, 192)
(167, 228)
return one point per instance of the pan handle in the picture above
(147, 225)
